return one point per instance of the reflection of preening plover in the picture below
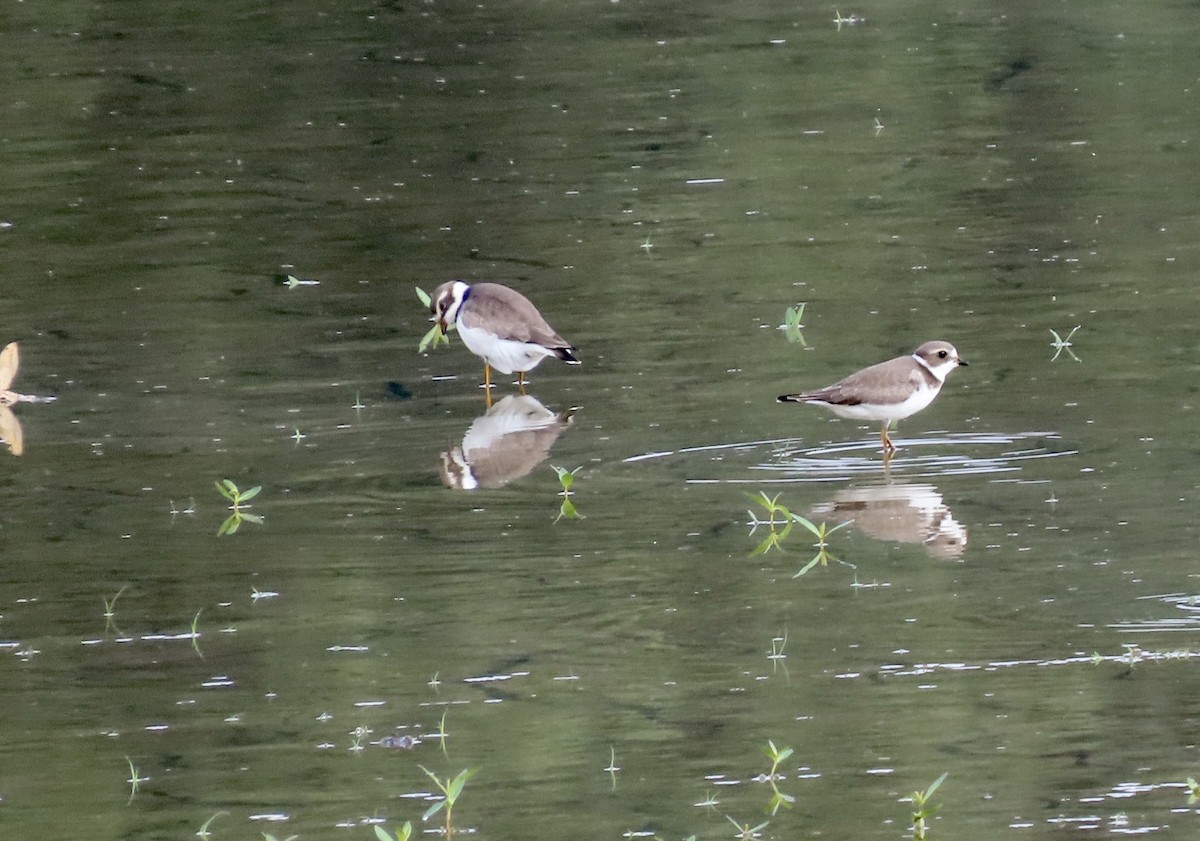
(507, 443)
(888, 391)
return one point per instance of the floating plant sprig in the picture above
(779, 514)
(792, 324)
(778, 798)
(1060, 344)
(821, 532)
(451, 789)
(135, 780)
(921, 810)
(196, 633)
(203, 832)
(402, 833)
(613, 767)
(776, 756)
(747, 832)
(566, 478)
(110, 611)
(238, 500)
(436, 334)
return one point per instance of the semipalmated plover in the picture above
(888, 391)
(500, 326)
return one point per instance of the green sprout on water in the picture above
(792, 324)
(613, 767)
(135, 780)
(436, 334)
(1060, 344)
(451, 788)
(269, 837)
(359, 733)
(441, 733)
(779, 514)
(566, 478)
(821, 532)
(776, 756)
(1193, 790)
(203, 832)
(777, 656)
(292, 282)
(921, 810)
(747, 832)
(778, 798)
(402, 834)
(196, 633)
(238, 500)
(110, 608)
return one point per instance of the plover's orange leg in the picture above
(487, 384)
(888, 446)
(521, 381)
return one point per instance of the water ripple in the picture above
(790, 461)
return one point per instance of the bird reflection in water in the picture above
(506, 443)
(10, 428)
(900, 513)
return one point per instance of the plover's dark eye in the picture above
(941, 354)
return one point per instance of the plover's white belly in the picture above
(505, 355)
(882, 411)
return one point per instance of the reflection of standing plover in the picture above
(500, 326)
(888, 391)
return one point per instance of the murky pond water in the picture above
(1012, 601)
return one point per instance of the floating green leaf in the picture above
(401, 835)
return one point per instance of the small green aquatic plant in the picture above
(821, 532)
(135, 780)
(566, 478)
(196, 633)
(778, 644)
(792, 324)
(110, 607)
(1193, 790)
(613, 767)
(776, 756)
(441, 734)
(778, 798)
(436, 334)
(292, 282)
(236, 497)
(1060, 344)
(779, 514)
(238, 500)
(921, 810)
(359, 733)
(402, 833)
(452, 789)
(203, 832)
(747, 832)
